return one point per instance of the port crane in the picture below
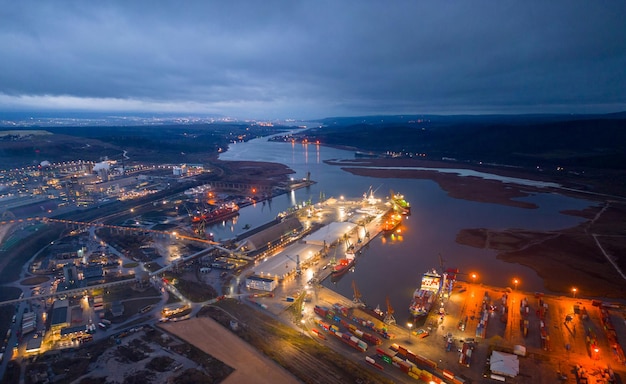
(200, 227)
(389, 319)
(357, 295)
(297, 261)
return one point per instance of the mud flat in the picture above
(586, 256)
(589, 256)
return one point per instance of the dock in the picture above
(328, 230)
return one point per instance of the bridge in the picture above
(120, 228)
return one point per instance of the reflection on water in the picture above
(393, 267)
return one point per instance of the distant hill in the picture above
(174, 143)
(595, 141)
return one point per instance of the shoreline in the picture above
(563, 258)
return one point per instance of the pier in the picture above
(328, 230)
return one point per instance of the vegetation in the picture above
(593, 141)
(160, 363)
(193, 376)
(196, 292)
(130, 265)
(7, 311)
(35, 280)
(12, 373)
(14, 258)
(129, 242)
(185, 143)
(152, 266)
(215, 370)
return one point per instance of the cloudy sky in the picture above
(312, 59)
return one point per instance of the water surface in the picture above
(393, 267)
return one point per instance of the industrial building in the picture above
(261, 283)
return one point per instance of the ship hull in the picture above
(219, 214)
(401, 205)
(343, 267)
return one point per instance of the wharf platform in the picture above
(329, 230)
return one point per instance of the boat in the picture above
(222, 212)
(391, 223)
(400, 204)
(342, 266)
(424, 297)
(375, 312)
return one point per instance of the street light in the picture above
(515, 281)
(574, 290)
(474, 276)
(410, 325)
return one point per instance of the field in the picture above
(300, 354)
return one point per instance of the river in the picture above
(393, 268)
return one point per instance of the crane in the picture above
(389, 319)
(297, 261)
(357, 295)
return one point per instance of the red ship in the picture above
(342, 266)
(221, 213)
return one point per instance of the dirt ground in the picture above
(588, 254)
(290, 347)
(250, 365)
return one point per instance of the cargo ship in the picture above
(342, 266)
(391, 223)
(424, 297)
(400, 204)
(222, 212)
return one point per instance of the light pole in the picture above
(410, 325)
(574, 290)
(515, 282)
(474, 278)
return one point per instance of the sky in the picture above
(313, 59)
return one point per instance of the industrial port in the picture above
(472, 333)
(456, 330)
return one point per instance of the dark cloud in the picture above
(314, 58)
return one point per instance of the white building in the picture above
(180, 171)
(261, 283)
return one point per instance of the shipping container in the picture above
(373, 362)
